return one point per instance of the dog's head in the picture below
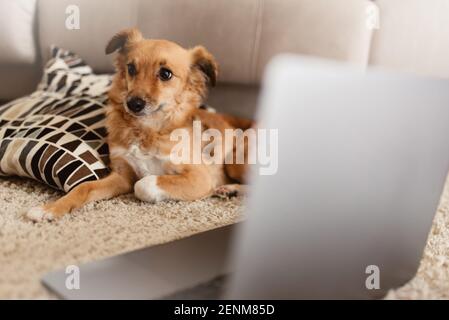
(158, 75)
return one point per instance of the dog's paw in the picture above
(38, 214)
(146, 189)
(227, 191)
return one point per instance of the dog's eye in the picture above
(165, 74)
(132, 71)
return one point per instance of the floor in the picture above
(106, 228)
(102, 229)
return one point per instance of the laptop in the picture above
(361, 164)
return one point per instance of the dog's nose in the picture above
(136, 104)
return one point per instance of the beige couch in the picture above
(242, 34)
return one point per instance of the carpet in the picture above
(106, 228)
(432, 278)
(99, 230)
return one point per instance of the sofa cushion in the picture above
(16, 32)
(56, 135)
(243, 35)
(412, 37)
(328, 29)
(18, 80)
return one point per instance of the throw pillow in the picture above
(56, 135)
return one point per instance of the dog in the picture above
(157, 89)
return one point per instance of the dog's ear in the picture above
(205, 62)
(122, 39)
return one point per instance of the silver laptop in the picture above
(362, 161)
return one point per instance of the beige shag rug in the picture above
(432, 279)
(106, 228)
(102, 229)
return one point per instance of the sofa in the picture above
(243, 35)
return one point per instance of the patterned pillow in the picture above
(56, 135)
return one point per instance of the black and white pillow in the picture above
(56, 135)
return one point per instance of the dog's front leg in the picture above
(192, 184)
(113, 185)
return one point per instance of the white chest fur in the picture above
(143, 163)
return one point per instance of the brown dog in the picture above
(157, 89)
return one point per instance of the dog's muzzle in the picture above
(135, 104)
